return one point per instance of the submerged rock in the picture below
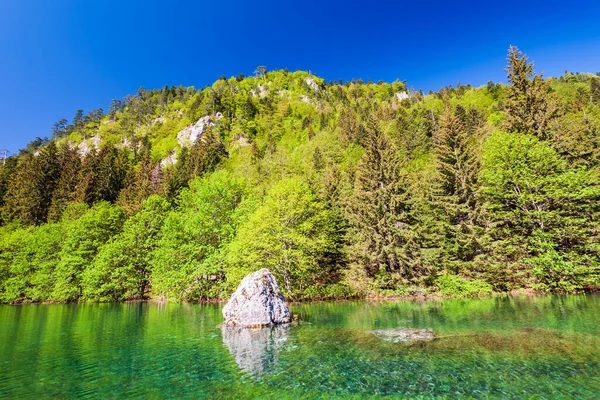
(258, 301)
(404, 334)
(255, 350)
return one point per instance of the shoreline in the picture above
(373, 298)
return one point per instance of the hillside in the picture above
(340, 189)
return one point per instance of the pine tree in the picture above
(205, 154)
(176, 176)
(595, 90)
(64, 192)
(529, 106)
(139, 185)
(455, 159)
(382, 236)
(351, 130)
(458, 165)
(30, 190)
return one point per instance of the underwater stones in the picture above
(257, 302)
(397, 335)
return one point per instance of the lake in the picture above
(523, 347)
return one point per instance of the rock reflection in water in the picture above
(255, 350)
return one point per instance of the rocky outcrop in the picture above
(171, 159)
(404, 334)
(402, 96)
(188, 135)
(305, 99)
(255, 350)
(89, 145)
(312, 84)
(260, 91)
(258, 301)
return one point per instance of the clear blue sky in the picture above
(61, 55)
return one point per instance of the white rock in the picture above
(313, 85)
(260, 91)
(188, 135)
(402, 96)
(171, 159)
(258, 301)
(86, 146)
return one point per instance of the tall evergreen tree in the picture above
(458, 165)
(205, 154)
(30, 190)
(138, 183)
(103, 175)
(595, 90)
(529, 106)
(65, 190)
(382, 235)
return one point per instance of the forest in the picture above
(342, 189)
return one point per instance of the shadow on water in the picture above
(256, 351)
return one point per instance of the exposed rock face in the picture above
(188, 135)
(258, 301)
(402, 96)
(89, 145)
(255, 350)
(404, 334)
(313, 85)
(171, 159)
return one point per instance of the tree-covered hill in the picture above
(341, 189)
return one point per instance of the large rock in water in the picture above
(257, 302)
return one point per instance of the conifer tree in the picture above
(205, 154)
(458, 165)
(64, 193)
(595, 90)
(351, 130)
(138, 183)
(529, 106)
(30, 190)
(7, 169)
(103, 175)
(176, 176)
(382, 236)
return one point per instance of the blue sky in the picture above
(61, 55)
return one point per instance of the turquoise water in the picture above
(526, 347)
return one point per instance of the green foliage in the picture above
(29, 194)
(293, 235)
(188, 260)
(529, 106)
(382, 235)
(456, 159)
(121, 270)
(555, 272)
(457, 286)
(533, 199)
(28, 259)
(83, 239)
(341, 189)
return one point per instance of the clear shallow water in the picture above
(527, 347)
